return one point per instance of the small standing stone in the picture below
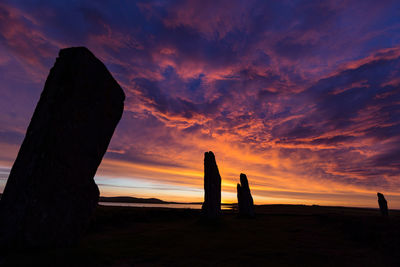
(382, 204)
(212, 187)
(245, 200)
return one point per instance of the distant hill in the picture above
(130, 200)
(122, 199)
(133, 200)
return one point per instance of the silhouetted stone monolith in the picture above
(245, 200)
(50, 194)
(383, 207)
(212, 187)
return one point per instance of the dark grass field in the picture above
(280, 235)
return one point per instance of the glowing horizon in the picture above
(303, 97)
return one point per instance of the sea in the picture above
(155, 205)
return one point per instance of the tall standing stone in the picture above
(50, 194)
(383, 207)
(212, 187)
(245, 200)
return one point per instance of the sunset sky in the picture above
(302, 96)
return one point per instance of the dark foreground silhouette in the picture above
(50, 194)
(280, 235)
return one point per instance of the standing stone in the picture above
(245, 200)
(383, 205)
(50, 194)
(212, 187)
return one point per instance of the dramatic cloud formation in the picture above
(302, 96)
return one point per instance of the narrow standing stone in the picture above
(212, 187)
(245, 200)
(382, 205)
(50, 194)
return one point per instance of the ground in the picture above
(280, 235)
